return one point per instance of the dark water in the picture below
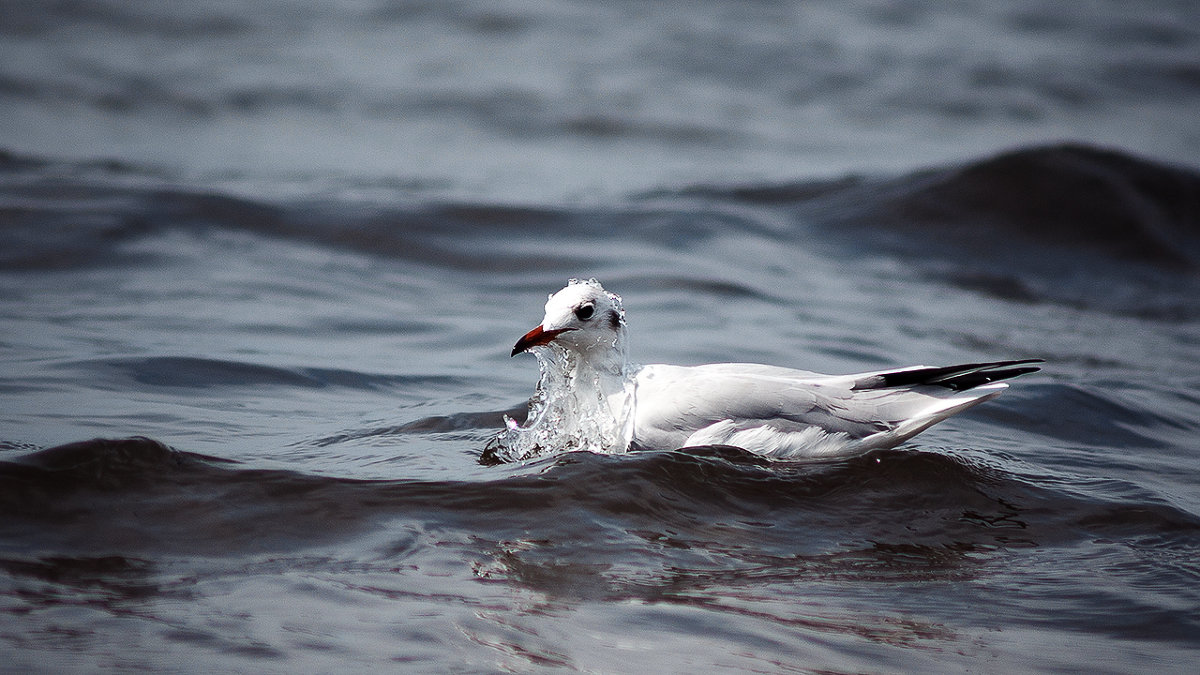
(278, 253)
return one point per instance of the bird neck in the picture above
(603, 361)
(582, 399)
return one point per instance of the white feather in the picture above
(599, 402)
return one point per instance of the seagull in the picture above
(590, 397)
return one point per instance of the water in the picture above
(529, 101)
(278, 255)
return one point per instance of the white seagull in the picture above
(590, 397)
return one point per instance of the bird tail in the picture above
(951, 390)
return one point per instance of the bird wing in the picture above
(728, 401)
(673, 402)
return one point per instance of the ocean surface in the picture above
(262, 264)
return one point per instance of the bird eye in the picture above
(584, 312)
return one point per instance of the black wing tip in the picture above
(985, 377)
(960, 377)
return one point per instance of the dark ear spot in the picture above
(614, 319)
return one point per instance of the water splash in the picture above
(574, 407)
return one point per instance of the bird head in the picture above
(582, 318)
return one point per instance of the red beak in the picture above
(536, 338)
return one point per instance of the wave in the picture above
(202, 373)
(1067, 224)
(1070, 194)
(89, 496)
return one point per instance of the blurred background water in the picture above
(290, 244)
(546, 101)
